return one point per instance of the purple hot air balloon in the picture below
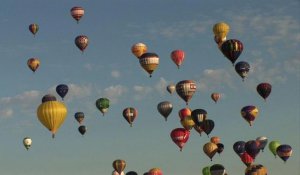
(239, 147)
(252, 148)
(284, 152)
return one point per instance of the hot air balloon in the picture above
(210, 149)
(82, 129)
(52, 115)
(149, 62)
(131, 173)
(180, 136)
(130, 114)
(263, 141)
(187, 123)
(62, 90)
(249, 113)
(198, 129)
(273, 145)
(199, 115)
(119, 165)
(215, 139)
(155, 171)
(256, 169)
(116, 173)
(139, 49)
(242, 68)
(178, 57)
(246, 159)
(239, 147)
(284, 152)
(220, 148)
(186, 89)
(48, 97)
(252, 148)
(77, 13)
(220, 41)
(82, 42)
(165, 108)
(217, 169)
(184, 112)
(206, 170)
(33, 28)
(221, 30)
(33, 64)
(232, 49)
(207, 126)
(102, 104)
(171, 88)
(27, 142)
(79, 116)
(264, 90)
(215, 96)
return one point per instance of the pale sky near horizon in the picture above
(269, 31)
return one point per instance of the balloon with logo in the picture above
(79, 116)
(178, 57)
(210, 149)
(284, 152)
(263, 141)
(186, 89)
(249, 113)
(165, 108)
(138, 49)
(215, 96)
(264, 90)
(33, 28)
(33, 64)
(155, 171)
(119, 165)
(232, 49)
(242, 68)
(199, 115)
(77, 13)
(102, 104)
(82, 42)
(273, 145)
(62, 90)
(180, 136)
(27, 142)
(149, 62)
(171, 88)
(130, 114)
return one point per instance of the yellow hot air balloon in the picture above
(187, 122)
(52, 114)
(149, 61)
(33, 64)
(139, 49)
(210, 149)
(221, 30)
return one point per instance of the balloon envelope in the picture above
(284, 152)
(217, 169)
(33, 28)
(273, 145)
(171, 88)
(82, 42)
(79, 116)
(242, 68)
(33, 64)
(119, 165)
(165, 108)
(62, 90)
(27, 142)
(102, 104)
(239, 147)
(48, 97)
(155, 171)
(130, 114)
(180, 136)
(232, 49)
(186, 89)
(149, 62)
(249, 113)
(252, 148)
(210, 149)
(199, 115)
(178, 57)
(82, 129)
(264, 90)
(139, 49)
(215, 96)
(221, 29)
(77, 13)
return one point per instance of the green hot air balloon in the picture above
(273, 146)
(206, 170)
(102, 104)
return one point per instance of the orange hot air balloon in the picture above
(77, 13)
(210, 149)
(119, 165)
(180, 136)
(186, 89)
(178, 57)
(155, 171)
(184, 112)
(215, 139)
(215, 96)
(52, 115)
(33, 63)
(139, 49)
(82, 42)
(149, 62)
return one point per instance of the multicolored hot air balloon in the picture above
(273, 145)
(263, 141)
(210, 149)
(256, 170)
(77, 13)
(155, 171)
(242, 68)
(119, 165)
(82, 42)
(217, 169)
(165, 108)
(186, 89)
(171, 88)
(102, 104)
(239, 147)
(149, 62)
(33, 64)
(139, 49)
(187, 122)
(33, 28)
(252, 148)
(184, 112)
(48, 97)
(221, 30)
(264, 90)
(284, 152)
(246, 159)
(178, 57)
(52, 115)
(215, 96)
(130, 114)
(82, 129)
(249, 113)
(79, 116)
(180, 136)
(232, 49)
(62, 90)
(27, 142)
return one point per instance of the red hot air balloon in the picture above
(246, 159)
(264, 90)
(186, 89)
(184, 113)
(180, 136)
(82, 42)
(178, 57)
(77, 13)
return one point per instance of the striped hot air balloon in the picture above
(165, 108)
(186, 89)
(77, 13)
(119, 165)
(149, 62)
(130, 114)
(139, 49)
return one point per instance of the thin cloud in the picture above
(161, 85)
(115, 74)
(140, 92)
(6, 113)
(114, 93)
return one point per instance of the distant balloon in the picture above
(79, 116)
(33, 28)
(171, 88)
(82, 129)
(186, 89)
(178, 57)
(217, 169)
(77, 13)
(252, 148)
(180, 136)
(62, 90)
(82, 42)
(102, 104)
(210, 149)
(256, 170)
(130, 114)
(184, 112)
(119, 165)
(221, 30)
(27, 142)
(206, 170)
(246, 159)
(239, 147)
(264, 90)
(249, 113)
(263, 141)
(139, 49)
(116, 173)
(215, 96)
(155, 171)
(215, 139)
(199, 115)
(273, 145)
(284, 152)
(165, 108)
(33, 64)
(242, 68)
(207, 126)
(48, 97)
(149, 62)
(131, 173)
(232, 49)
(220, 148)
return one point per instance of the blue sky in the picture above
(270, 33)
